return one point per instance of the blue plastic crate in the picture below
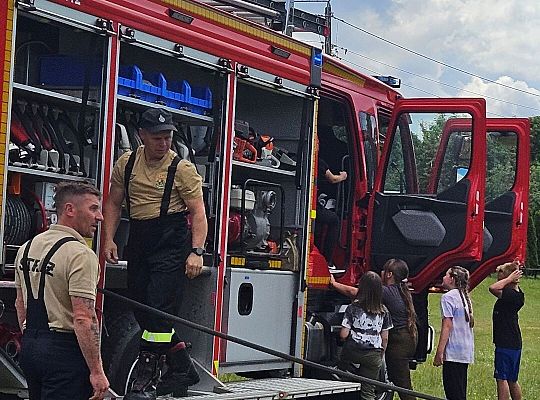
(133, 82)
(200, 100)
(68, 71)
(179, 92)
(173, 94)
(126, 85)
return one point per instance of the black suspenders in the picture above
(166, 199)
(36, 316)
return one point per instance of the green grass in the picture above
(481, 385)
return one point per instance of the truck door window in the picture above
(501, 163)
(368, 125)
(422, 161)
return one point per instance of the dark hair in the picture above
(400, 270)
(369, 295)
(461, 280)
(65, 191)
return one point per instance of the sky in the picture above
(498, 41)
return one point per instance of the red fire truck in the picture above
(254, 109)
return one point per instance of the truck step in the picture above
(278, 388)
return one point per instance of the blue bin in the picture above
(177, 94)
(173, 94)
(200, 100)
(133, 82)
(126, 85)
(68, 71)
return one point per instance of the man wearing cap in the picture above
(159, 190)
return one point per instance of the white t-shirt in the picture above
(460, 346)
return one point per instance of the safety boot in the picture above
(146, 375)
(180, 372)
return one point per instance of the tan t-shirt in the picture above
(148, 183)
(72, 271)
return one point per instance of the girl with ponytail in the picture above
(455, 350)
(402, 338)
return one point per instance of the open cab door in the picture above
(506, 198)
(431, 218)
(506, 195)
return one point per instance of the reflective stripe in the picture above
(158, 337)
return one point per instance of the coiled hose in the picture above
(18, 221)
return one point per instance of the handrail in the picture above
(285, 356)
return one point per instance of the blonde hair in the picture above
(461, 281)
(507, 268)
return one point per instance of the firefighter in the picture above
(159, 190)
(56, 280)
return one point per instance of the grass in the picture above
(481, 385)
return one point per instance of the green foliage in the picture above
(501, 164)
(532, 243)
(535, 139)
(481, 385)
(426, 146)
(534, 194)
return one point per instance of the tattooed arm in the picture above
(21, 309)
(86, 326)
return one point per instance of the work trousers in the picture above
(401, 348)
(329, 219)
(54, 366)
(156, 253)
(370, 362)
(455, 380)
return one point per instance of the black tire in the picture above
(120, 347)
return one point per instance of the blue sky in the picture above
(493, 39)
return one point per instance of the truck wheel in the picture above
(120, 348)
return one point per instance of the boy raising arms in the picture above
(506, 331)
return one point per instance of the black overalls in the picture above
(156, 253)
(52, 361)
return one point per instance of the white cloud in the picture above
(510, 96)
(496, 39)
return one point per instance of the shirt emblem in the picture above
(160, 181)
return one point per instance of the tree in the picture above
(535, 139)
(532, 243)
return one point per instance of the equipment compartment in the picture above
(269, 143)
(56, 122)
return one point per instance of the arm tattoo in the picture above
(94, 326)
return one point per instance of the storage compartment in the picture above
(56, 123)
(256, 314)
(268, 143)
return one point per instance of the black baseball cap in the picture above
(156, 120)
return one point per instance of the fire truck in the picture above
(431, 181)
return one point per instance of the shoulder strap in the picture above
(26, 265)
(127, 175)
(166, 200)
(46, 260)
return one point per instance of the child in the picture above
(402, 338)
(506, 332)
(455, 350)
(365, 330)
